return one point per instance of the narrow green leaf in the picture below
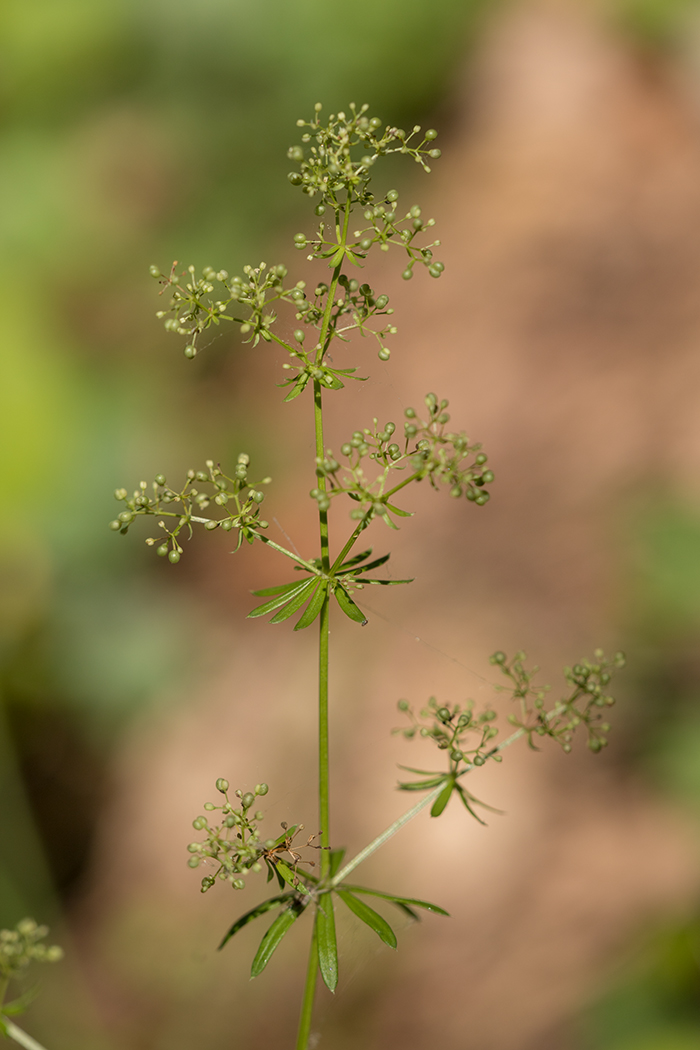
(337, 258)
(336, 859)
(287, 874)
(266, 591)
(299, 385)
(273, 937)
(442, 799)
(370, 917)
(397, 510)
(407, 911)
(421, 785)
(465, 800)
(410, 901)
(356, 559)
(332, 382)
(254, 913)
(349, 607)
(376, 563)
(296, 602)
(279, 599)
(325, 936)
(385, 583)
(313, 608)
(270, 871)
(423, 772)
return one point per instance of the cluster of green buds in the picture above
(428, 450)
(468, 739)
(337, 155)
(583, 707)
(235, 498)
(459, 731)
(22, 946)
(234, 845)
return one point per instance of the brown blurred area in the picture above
(566, 333)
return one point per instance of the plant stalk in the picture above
(20, 1036)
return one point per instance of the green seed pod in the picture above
(595, 744)
(366, 243)
(403, 705)
(209, 806)
(487, 477)
(238, 884)
(498, 658)
(174, 557)
(431, 134)
(199, 823)
(193, 862)
(443, 714)
(154, 271)
(126, 516)
(207, 883)
(392, 196)
(222, 785)
(160, 479)
(407, 275)
(295, 178)
(435, 153)
(383, 353)
(478, 760)
(162, 550)
(261, 789)
(300, 335)
(248, 800)
(115, 526)
(456, 755)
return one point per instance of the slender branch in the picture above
(385, 835)
(350, 544)
(411, 813)
(283, 550)
(20, 1036)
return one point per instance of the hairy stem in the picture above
(307, 1003)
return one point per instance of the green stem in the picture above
(20, 1036)
(307, 1003)
(386, 835)
(323, 748)
(350, 544)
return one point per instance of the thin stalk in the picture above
(350, 544)
(375, 844)
(20, 1036)
(323, 738)
(307, 1003)
(386, 835)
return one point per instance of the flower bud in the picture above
(222, 785)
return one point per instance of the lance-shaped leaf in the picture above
(374, 564)
(397, 510)
(325, 938)
(443, 798)
(19, 1005)
(412, 902)
(469, 799)
(274, 935)
(299, 384)
(313, 608)
(356, 559)
(349, 607)
(385, 583)
(254, 913)
(423, 772)
(422, 785)
(296, 602)
(266, 591)
(289, 876)
(281, 598)
(370, 917)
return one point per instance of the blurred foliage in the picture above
(654, 24)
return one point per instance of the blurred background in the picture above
(566, 333)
